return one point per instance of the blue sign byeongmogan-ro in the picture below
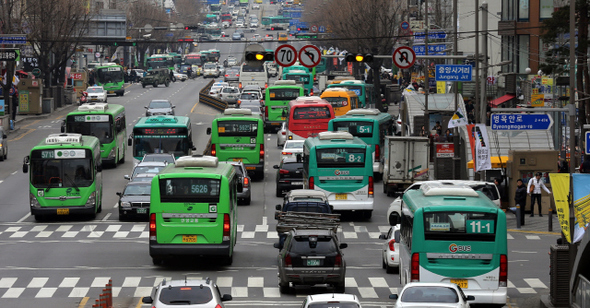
(529, 121)
(453, 72)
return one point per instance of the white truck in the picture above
(406, 161)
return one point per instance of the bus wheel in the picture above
(157, 261)
(284, 288)
(122, 159)
(40, 218)
(229, 260)
(143, 85)
(99, 208)
(247, 201)
(367, 214)
(155, 84)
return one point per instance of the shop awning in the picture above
(497, 162)
(501, 100)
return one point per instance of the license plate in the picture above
(250, 168)
(296, 183)
(141, 211)
(462, 283)
(189, 238)
(63, 211)
(237, 159)
(341, 196)
(313, 262)
(283, 118)
(111, 92)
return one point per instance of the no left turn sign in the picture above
(404, 57)
(286, 55)
(310, 56)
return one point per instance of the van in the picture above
(253, 75)
(3, 144)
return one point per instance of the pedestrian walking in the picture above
(534, 189)
(520, 199)
(133, 76)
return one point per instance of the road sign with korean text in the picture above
(528, 121)
(453, 72)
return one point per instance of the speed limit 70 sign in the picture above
(286, 55)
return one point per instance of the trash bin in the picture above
(48, 105)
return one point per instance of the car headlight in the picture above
(112, 153)
(125, 204)
(33, 201)
(91, 200)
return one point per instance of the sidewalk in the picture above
(533, 224)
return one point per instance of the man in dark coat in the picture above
(520, 199)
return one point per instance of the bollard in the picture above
(109, 293)
(518, 213)
(550, 225)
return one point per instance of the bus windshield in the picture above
(146, 144)
(340, 157)
(254, 69)
(48, 173)
(193, 189)
(311, 113)
(237, 128)
(193, 60)
(100, 127)
(460, 226)
(109, 74)
(356, 128)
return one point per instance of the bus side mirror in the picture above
(208, 130)
(470, 298)
(394, 219)
(26, 164)
(147, 300)
(99, 168)
(63, 126)
(119, 193)
(129, 142)
(278, 207)
(392, 296)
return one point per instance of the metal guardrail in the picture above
(207, 99)
(582, 293)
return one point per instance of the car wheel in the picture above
(279, 192)
(383, 264)
(229, 260)
(155, 84)
(390, 269)
(367, 214)
(2, 157)
(167, 84)
(284, 288)
(340, 287)
(248, 200)
(143, 85)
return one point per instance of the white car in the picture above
(390, 253)
(180, 76)
(292, 148)
(332, 300)
(282, 135)
(96, 94)
(256, 38)
(216, 88)
(256, 6)
(431, 294)
(253, 24)
(240, 24)
(210, 69)
(225, 24)
(187, 293)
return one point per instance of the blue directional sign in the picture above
(13, 39)
(322, 29)
(435, 49)
(405, 25)
(432, 35)
(587, 142)
(453, 72)
(529, 121)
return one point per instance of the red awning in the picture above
(496, 102)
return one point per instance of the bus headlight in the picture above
(91, 200)
(125, 204)
(33, 201)
(112, 153)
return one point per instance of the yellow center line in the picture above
(534, 232)
(21, 136)
(83, 302)
(140, 303)
(195, 106)
(34, 122)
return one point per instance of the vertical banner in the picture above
(483, 160)
(581, 184)
(470, 128)
(441, 87)
(560, 184)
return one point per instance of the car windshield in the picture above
(294, 145)
(210, 66)
(159, 104)
(430, 295)
(138, 190)
(95, 90)
(319, 245)
(230, 90)
(185, 295)
(334, 305)
(249, 96)
(147, 169)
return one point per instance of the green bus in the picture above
(276, 102)
(162, 134)
(211, 55)
(66, 176)
(103, 121)
(111, 78)
(238, 135)
(339, 164)
(160, 61)
(193, 209)
(452, 233)
(301, 77)
(365, 91)
(244, 3)
(371, 126)
(176, 58)
(275, 22)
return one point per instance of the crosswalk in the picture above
(140, 231)
(244, 287)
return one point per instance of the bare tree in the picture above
(10, 23)
(56, 27)
(144, 12)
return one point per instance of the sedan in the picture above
(240, 24)
(332, 300)
(231, 75)
(390, 253)
(134, 201)
(159, 107)
(96, 94)
(230, 95)
(180, 76)
(236, 36)
(292, 148)
(186, 293)
(268, 37)
(282, 135)
(250, 98)
(431, 294)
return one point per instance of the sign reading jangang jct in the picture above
(451, 72)
(530, 121)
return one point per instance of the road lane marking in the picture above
(25, 217)
(21, 136)
(193, 109)
(14, 173)
(106, 217)
(34, 122)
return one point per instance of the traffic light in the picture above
(191, 27)
(351, 57)
(124, 43)
(259, 56)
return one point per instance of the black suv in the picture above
(310, 257)
(289, 175)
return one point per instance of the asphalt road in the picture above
(67, 263)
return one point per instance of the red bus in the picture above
(308, 116)
(193, 59)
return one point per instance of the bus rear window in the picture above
(341, 157)
(197, 190)
(301, 78)
(311, 113)
(337, 101)
(283, 94)
(252, 69)
(237, 128)
(460, 226)
(355, 128)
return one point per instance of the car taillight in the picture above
(338, 260)
(237, 75)
(288, 261)
(240, 85)
(265, 112)
(226, 227)
(262, 152)
(391, 246)
(261, 102)
(311, 182)
(266, 85)
(239, 101)
(377, 154)
(283, 133)
(218, 306)
(283, 171)
(371, 191)
(226, 75)
(399, 122)
(213, 151)
(153, 227)
(286, 153)
(503, 271)
(415, 268)
(246, 182)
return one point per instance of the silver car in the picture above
(159, 107)
(245, 196)
(230, 95)
(250, 98)
(191, 293)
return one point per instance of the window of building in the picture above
(523, 52)
(523, 10)
(546, 9)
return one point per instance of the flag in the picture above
(560, 184)
(458, 119)
(480, 149)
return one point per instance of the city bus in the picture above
(339, 164)
(103, 121)
(342, 100)
(302, 77)
(451, 233)
(194, 59)
(238, 135)
(307, 116)
(275, 22)
(193, 210)
(210, 18)
(364, 91)
(162, 134)
(244, 3)
(66, 176)
(371, 126)
(276, 101)
(176, 58)
(159, 61)
(211, 55)
(111, 78)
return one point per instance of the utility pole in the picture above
(572, 121)
(426, 79)
(483, 96)
(477, 102)
(457, 152)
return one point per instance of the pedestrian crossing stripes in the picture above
(135, 286)
(140, 231)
